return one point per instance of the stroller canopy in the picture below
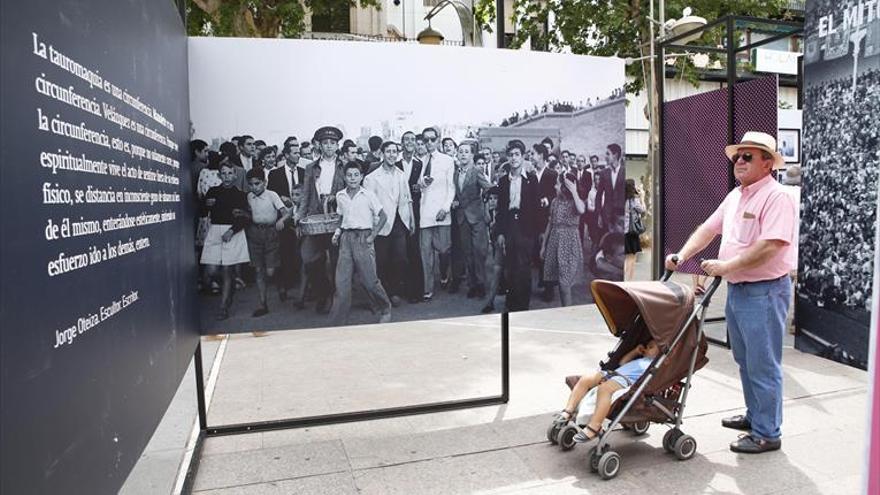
(664, 306)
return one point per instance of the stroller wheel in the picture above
(609, 465)
(566, 437)
(553, 432)
(640, 428)
(594, 456)
(685, 447)
(669, 439)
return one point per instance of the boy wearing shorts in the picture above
(268, 215)
(632, 366)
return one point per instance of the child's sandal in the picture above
(581, 436)
(563, 417)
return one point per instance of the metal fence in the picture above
(368, 37)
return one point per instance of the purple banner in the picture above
(695, 170)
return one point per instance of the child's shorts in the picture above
(217, 252)
(264, 245)
(619, 379)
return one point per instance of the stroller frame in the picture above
(607, 461)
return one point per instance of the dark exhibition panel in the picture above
(98, 289)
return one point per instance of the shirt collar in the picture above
(522, 173)
(344, 192)
(392, 170)
(757, 186)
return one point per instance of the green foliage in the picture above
(484, 14)
(262, 18)
(621, 27)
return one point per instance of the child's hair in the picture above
(255, 173)
(386, 144)
(351, 165)
(492, 191)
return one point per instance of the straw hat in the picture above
(760, 140)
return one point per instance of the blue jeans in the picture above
(756, 323)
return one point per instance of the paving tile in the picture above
(328, 484)
(830, 451)
(475, 473)
(261, 466)
(366, 452)
(231, 443)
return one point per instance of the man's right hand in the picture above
(672, 262)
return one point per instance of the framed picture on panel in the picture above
(789, 143)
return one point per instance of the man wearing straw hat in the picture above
(757, 222)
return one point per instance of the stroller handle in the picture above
(716, 282)
(667, 274)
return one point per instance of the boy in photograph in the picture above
(287, 181)
(547, 179)
(225, 243)
(296, 215)
(391, 186)
(518, 222)
(469, 219)
(494, 256)
(449, 147)
(305, 155)
(247, 151)
(610, 199)
(323, 178)
(268, 216)
(362, 218)
(412, 168)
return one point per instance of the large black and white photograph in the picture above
(841, 155)
(405, 183)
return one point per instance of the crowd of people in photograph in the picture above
(840, 193)
(557, 106)
(318, 220)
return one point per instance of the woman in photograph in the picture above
(632, 244)
(209, 177)
(561, 250)
(267, 159)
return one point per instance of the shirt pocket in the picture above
(745, 230)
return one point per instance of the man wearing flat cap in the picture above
(757, 222)
(324, 177)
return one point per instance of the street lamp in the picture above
(430, 36)
(470, 34)
(671, 27)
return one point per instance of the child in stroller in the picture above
(632, 366)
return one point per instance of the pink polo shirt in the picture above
(761, 211)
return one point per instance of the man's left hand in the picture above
(715, 268)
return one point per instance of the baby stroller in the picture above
(637, 312)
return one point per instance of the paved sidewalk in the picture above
(501, 449)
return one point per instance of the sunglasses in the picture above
(746, 157)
